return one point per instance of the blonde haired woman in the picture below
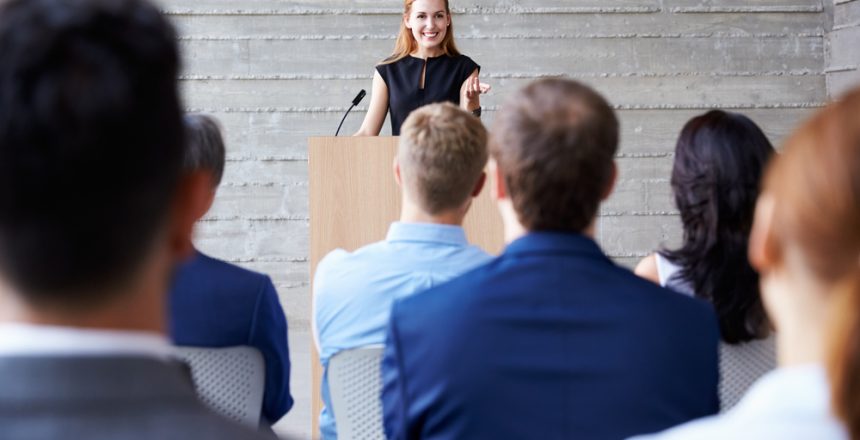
(805, 243)
(425, 68)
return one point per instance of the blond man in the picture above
(440, 168)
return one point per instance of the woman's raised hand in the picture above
(474, 88)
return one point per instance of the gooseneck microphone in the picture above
(355, 102)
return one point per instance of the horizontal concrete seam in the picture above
(268, 158)
(510, 75)
(851, 25)
(388, 37)
(515, 10)
(727, 106)
(255, 218)
(638, 214)
(650, 155)
(281, 286)
(268, 260)
(274, 158)
(837, 69)
(264, 184)
(744, 9)
(703, 106)
(271, 218)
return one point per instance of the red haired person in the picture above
(425, 68)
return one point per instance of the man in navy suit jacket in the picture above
(551, 340)
(216, 304)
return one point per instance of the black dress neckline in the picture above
(443, 78)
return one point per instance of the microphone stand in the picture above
(355, 102)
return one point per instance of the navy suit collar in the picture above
(555, 243)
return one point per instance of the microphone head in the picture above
(358, 97)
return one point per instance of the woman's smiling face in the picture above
(428, 20)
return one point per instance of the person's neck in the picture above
(140, 305)
(412, 213)
(514, 229)
(800, 315)
(424, 52)
(143, 316)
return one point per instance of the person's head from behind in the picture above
(553, 145)
(806, 245)
(204, 153)
(720, 158)
(91, 145)
(440, 160)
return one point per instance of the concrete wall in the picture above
(276, 72)
(843, 55)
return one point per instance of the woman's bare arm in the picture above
(375, 116)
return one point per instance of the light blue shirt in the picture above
(353, 292)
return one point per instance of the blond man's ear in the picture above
(395, 168)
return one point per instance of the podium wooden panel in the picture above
(354, 198)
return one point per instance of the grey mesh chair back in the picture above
(230, 380)
(741, 365)
(354, 384)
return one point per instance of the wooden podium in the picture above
(354, 198)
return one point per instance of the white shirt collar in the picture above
(789, 403)
(17, 339)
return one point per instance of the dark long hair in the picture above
(719, 162)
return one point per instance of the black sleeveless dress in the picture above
(442, 82)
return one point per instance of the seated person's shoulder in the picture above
(647, 268)
(450, 298)
(332, 259)
(219, 270)
(671, 305)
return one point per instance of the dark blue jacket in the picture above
(551, 340)
(216, 304)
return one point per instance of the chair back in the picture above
(741, 365)
(229, 380)
(354, 386)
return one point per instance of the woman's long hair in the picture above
(406, 43)
(816, 190)
(719, 162)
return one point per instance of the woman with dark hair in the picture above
(719, 161)
(805, 244)
(425, 68)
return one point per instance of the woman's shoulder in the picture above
(461, 59)
(647, 268)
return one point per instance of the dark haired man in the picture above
(241, 306)
(94, 213)
(551, 340)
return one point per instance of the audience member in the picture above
(551, 340)
(440, 167)
(805, 243)
(94, 212)
(216, 304)
(719, 161)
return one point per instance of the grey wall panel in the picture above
(843, 48)
(664, 56)
(686, 91)
(385, 26)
